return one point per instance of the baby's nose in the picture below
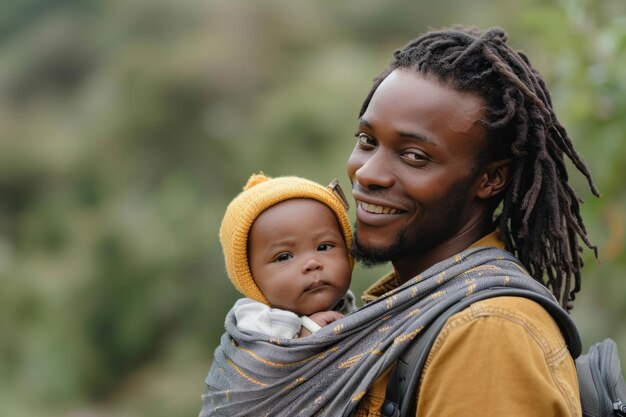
(312, 264)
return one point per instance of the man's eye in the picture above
(365, 140)
(414, 156)
(282, 257)
(325, 247)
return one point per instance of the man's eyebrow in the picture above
(363, 121)
(412, 135)
(417, 136)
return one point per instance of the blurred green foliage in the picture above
(127, 126)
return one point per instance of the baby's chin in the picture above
(320, 307)
(311, 302)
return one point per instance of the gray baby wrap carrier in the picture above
(330, 371)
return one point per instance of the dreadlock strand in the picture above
(578, 266)
(505, 71)
(510, 105)
(576, 159)
(528, 202)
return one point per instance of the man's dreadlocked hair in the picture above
(540, 219)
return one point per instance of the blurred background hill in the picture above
(127, 126)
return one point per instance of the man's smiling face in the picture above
(414, 167)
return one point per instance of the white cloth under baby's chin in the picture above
(258, 317)
(254, 316)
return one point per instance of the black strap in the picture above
(391, 406)
(411, 362)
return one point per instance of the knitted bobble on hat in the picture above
(255, 179)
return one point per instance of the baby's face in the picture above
(298, 256)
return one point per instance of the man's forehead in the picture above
(420, 107)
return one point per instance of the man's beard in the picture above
(370, 257)
(405, 245)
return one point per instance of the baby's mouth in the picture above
(316, 284)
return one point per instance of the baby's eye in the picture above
(282, 257)
(325, 246)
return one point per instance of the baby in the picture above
(286, 246)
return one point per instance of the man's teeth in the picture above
(373, 208)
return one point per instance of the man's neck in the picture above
(410, 266)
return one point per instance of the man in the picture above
(457, 126)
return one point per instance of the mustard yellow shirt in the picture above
(503, 356)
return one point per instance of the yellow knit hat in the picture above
(259, 194)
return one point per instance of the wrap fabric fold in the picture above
(330, 371)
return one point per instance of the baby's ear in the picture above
(496, 176)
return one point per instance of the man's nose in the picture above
(375, 171)
(312, 264)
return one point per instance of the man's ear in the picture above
(496, 176)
